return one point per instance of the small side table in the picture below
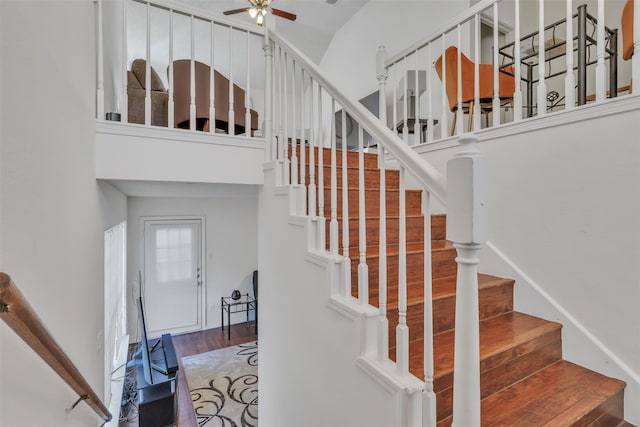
(245, 303)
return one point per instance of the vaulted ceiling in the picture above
(316, 23)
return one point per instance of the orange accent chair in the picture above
(627, 30)
(506, 82)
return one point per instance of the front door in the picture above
(172, 275)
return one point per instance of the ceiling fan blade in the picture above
(234, 11)
(283, 14)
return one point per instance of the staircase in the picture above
(524, 380)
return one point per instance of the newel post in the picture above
(467, 225)
(268, 101)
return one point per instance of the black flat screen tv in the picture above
(144, 345)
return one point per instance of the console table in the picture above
(245, 303)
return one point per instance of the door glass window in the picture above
(174, 255)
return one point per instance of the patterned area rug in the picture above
(224, 386)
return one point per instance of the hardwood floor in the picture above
(200, 342)
(194, 343)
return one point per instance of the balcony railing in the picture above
(205, 72)
(506, 61)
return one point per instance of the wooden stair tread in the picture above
(393, 249)
(355, 218)
(412, 248)
(562, 394)
(442, 288)
(497, 334)
(558, 395)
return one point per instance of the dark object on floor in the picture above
(255, 285)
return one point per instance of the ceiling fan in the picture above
(259, 9)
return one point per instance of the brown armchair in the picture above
(182, 99)
(506, 82)
(136, 91)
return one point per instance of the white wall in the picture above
(123, 152)
(308, 351)
(53, 211)
(350, 60)
(564, 208)
(231, 245)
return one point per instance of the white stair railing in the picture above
(466, 225)
(531, 58)
(325, 100)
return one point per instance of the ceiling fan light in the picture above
(253, 12)
(259, 19)
(264, 11)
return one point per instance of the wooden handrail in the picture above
(19, 316)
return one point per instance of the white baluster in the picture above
(363, 269)
(416, 106)
(476, 75)
(247, 93)
(192, 78)
(496, 70)
(383, 322)
(231, 124)
(124, 105)
(601, 91)
(405, 104)
(429, 69)
(346, 261)
(303, 145)
(294, 143)
(460, 112)
(517, 95)
(212, 86)
(275, 96)
(267, 47)
(444, 127)
(333, 226)
(635, 59)
(542, 86)
(428, 395)
(570, 78)
(281, 97)
(319, 137)
(467, 227)
(402, 330)
(382, 74)
(394, 81)
(312, 149)
(100, 66)
(147, 96)
(285, 115)
(171, 105)
(273, 104)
